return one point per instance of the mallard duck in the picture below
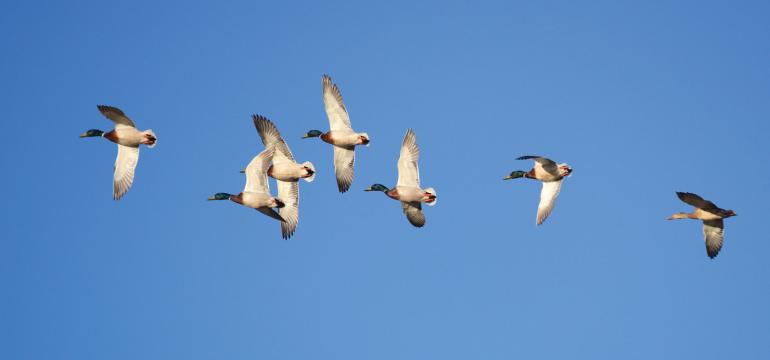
(408, 189)
(286, 172)
(340, 134)
(256, 193)
(711, 215)
(128, 138)
(551, 174)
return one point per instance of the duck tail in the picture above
(432, 191)
(310, 166)
(151, 138)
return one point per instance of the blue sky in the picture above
(642, 98)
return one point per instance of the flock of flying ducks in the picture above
(277, 161)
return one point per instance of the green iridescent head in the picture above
(92, 133)
(515, 175)
(220, 196)
(377, 187)
(312, 133)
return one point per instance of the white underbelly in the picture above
(286, 172)
(256, 200)
(129, 136)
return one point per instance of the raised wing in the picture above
(335, 107)
(116, 115)
(256, 172)
(288, 192)
(413, 212)
(271, 137)
(547, 199)
(696, 201)
(408, 171)
(344, 158)
(544, 164)
(713, 233)
(125, 165)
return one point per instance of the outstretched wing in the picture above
(335, 107)
(344, 158)
(408, 171)
(543, 164)
(256, 172)
(288, 192)
(713, 233)
(116, 115)
(696, 201)
(547, 199)
(271, 213)
(125, 165)
(272, 137)
(413, 212)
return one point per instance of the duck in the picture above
(340, 134)
(256, 193)
(548, 172)
(128, 138)
(286, 172)
(712, 217)
(408, 190)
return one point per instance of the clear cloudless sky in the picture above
(642, 98)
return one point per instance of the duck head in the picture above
(312, 133)
(377, 187)
(220, 196)
(92, 133)
(515, 175)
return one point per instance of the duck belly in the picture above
(126, 136)
(341, 138)
(409, 194)
(705, 215)
(286, 172)
(256, 200)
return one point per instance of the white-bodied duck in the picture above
(128, 138)
(711, 215)
(256, 193)
(408, 190)
(551, 174)
(340, 134)
(286, 172)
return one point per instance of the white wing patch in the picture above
(125, 165)
(288, 192)
(335, 107)
(343, 167)
(713, 233)
(547, 199)
(408, 170)
(256, 172)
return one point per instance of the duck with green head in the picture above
(712, 217)
(340, 135)
(128, 138)
(408, 190)
(256, 193)
(551, 174)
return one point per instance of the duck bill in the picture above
(509, 177)
(83, 135)
(369, 189)
(305, 136)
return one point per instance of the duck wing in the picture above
(696, 201)
(288, 192)
(408, 171)
(271, 213)
(548, 196)
(256, 172)
(125, 165)
(344, 158)
(714, 235)
(413, 212)
(335, 107)
(116, 115)
(270, 136)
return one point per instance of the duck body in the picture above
(290, 172)
(712, 217)
(256, 200)
(345, 139)
(411, 194)
(131, 136)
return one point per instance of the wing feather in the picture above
(335, 107)
(547, 199)
(408, 170)
(125, 166)
(256, 172)
(344, 158)
(116, 115)
(713, 233)
(413, 212)
(288, 192)
(270, 136)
